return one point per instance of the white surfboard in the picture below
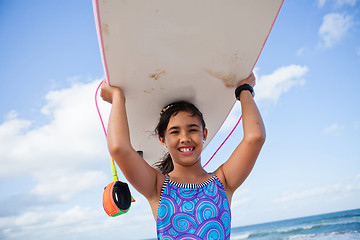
(160, 51)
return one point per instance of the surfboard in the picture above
(161, 51)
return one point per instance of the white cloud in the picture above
(321, 3)
(333, 29)
(52, 224)
(301, 51)
(291, 196)
(336, 127)
(269, 88)
(356, 125)
(241, 198)
(65, 185)
(232, 118)
(81, 222)
(62, 159)
(340, 3)
(272, 86)
(333, 127)
(337, 3)
(11, 128)
(63, 151)
(315, 192)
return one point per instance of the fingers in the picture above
(105, 87)
(105, 92)
(104, 83)
(249, 80)
(108, 92)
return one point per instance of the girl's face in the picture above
(184, 138)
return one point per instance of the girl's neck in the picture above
(193, 174)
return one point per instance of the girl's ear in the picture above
(205, 134)
(162, 140)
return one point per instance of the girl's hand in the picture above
(250, 80)
(108, 93)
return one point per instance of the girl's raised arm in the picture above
(236, 169)
(138, 172)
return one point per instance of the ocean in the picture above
(343, 225)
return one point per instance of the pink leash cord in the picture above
(223, 142)
(97, 108)
(103, 126)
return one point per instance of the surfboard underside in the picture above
(160, 51)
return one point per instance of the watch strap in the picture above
(242, 87)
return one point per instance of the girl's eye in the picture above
(193, 130)
(174, 132)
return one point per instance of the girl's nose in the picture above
(184, 138)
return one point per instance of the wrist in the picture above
(244, 94)
(118, 95)
(244, 88)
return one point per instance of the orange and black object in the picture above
(117, 198)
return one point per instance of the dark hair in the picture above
(166, 164)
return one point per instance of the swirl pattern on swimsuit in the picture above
(193, 211)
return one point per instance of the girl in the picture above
(186, 201)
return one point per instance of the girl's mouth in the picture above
(186, 149)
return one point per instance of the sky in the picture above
(54, 162)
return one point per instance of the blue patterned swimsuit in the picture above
(193, 211)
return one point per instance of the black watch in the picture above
(244, 87)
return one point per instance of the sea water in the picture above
(343, 225)
(332, 226)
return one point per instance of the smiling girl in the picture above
(187, 202)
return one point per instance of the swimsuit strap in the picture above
(166, 181)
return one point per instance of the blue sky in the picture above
(53, 157)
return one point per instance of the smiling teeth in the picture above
(186, 149)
